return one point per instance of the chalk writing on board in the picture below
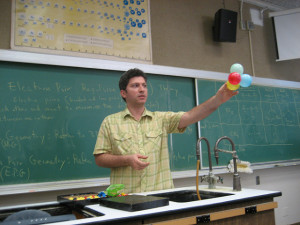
(50, 118)
(37, 103)
(188, 156)
(15, 169)
(168, 89)
(263, 122)
(13, 172)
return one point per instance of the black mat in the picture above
(134, 202)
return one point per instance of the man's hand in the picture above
(136, 163)
(224, 94)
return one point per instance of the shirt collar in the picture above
(145, 113)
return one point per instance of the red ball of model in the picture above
(234, 78)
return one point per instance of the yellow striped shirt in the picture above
(121, 134)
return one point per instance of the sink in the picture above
(190, 195)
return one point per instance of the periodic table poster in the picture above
(111, 28)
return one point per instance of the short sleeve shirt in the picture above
(121, 134)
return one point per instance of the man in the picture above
(134, 142)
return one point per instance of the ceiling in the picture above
(286, 4)
(276, 5)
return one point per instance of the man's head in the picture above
(125, 78)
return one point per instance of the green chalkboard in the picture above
(263, 122)
(50, 117)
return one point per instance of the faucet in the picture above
(236, 177)
(211, 178)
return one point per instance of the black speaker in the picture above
(224, 29)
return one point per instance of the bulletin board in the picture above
(110, 28)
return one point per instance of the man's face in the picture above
(136, 92)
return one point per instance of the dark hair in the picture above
(124, 80)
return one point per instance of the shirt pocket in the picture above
(122, 144)
(153, 140)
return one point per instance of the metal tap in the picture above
(211, 178)
(236, 177)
